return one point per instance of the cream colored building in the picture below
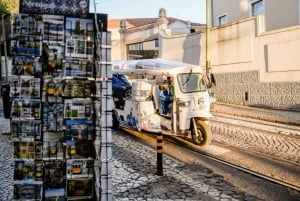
(252, 66)
(276, 13)
(254, 52)
(138, 38)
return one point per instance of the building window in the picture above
(136, 46)
(222, 19)
(140, 46)
(257, 7)
(156, 44)
(299, 10)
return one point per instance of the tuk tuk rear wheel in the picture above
(204, 137)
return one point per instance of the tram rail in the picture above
(191, 147)
(245, 123)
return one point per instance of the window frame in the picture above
(156, 43)
(135, 46)
(252, 3)
(299, 10)
(220, 17)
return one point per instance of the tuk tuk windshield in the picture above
(191, 82)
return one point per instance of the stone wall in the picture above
(244, 88)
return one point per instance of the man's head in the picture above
(170, 79)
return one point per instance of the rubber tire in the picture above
(206, 134)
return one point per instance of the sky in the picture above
(193, 10)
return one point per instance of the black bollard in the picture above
(159, 150)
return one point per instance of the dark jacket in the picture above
(120, 81)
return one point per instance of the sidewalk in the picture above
(4, 123)
(273, 115)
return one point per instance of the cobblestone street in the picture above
(6, 160)
(134, 173)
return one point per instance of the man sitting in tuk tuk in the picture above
(171, 87)
(167, 95)
(120, 85)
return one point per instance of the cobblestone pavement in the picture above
(134, 174)
(262, 142)
(6, 160)
(134, 177)
(263, 137)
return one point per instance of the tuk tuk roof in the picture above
(153, 67)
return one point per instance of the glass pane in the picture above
(257, 8)
(223, 20)
(191, 82)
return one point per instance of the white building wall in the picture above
(281, 14)
(278, 13)
(149, 45)
(239, 47)
(251, 67)
(171, 47)
(185, 48)
(236, 10)
(140, 36)
(231, 46)
(116, 44)
(279, 55)
(178, 28)
(256, 68)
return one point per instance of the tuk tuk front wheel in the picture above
(202, 136)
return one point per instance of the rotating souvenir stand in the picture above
(52, 147)
(25, 95)
(53, 117)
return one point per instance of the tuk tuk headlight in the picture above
(201, 101)
(184, 103)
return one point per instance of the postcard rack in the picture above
(60, 119)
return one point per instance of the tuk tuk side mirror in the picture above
(212, 81)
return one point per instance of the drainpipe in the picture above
(207, 36)
(0, 70)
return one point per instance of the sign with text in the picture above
(74, 8)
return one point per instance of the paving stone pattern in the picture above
(134, 177)
(134, 174)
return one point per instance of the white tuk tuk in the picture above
(149, 107)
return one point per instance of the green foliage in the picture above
(9, 6)
(3, 9)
